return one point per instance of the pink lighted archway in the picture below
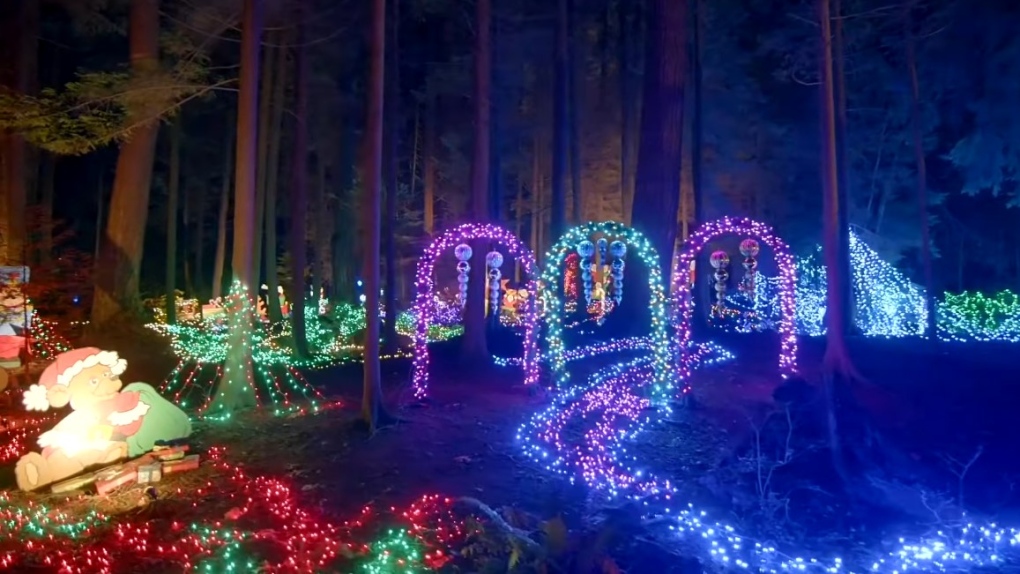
(425, 285)
(787, 287)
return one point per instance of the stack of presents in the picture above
(146, 469)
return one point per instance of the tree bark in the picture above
(393, 122)
(836, 359)
(474, 347)
(372, 411)
(319, 232)
(842, 168)
(172, 211)
(235, 390)
(430, 167)
(343, 223)
(574, 114)
(266, 113)
(298, 232)
(657, 187)
(272, 188)
(221, 224)
(561, 123)
(121, 252)
(922, 173)
(48, 187)
(628, 78)
(697, 130)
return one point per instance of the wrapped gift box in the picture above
(187, 463)
(167, 454)
(74, 483)
(152, 472)
(111, 479)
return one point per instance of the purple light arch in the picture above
(787, 287)
(424, 285)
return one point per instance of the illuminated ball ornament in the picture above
(494, 260)
(425, 308)
(720, 260)
(618, 250)
(463, 253)
(787, 288)
(586, 249)
(749, 248)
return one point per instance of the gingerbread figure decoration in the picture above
(108, 421)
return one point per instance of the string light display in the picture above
(425, 286)
(273, 382)
(787, 287)
(18, 435)
(553, 299)
(584, 436)
(978, 317)
(266, 529)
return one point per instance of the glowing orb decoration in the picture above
(425, 284)
(108, 421)
(553, 300)
(787, 288)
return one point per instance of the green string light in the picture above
(397, 553)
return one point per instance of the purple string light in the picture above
(425, 284)
(787, 288)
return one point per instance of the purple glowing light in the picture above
(425, 285)
(787, 287)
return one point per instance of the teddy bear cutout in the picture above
(108, 421)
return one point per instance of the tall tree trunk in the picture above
(121, 253)
(172, 213)
(836, 364)
(266, 111)
(842, 168)
(561, 124)
(392, 125)
(574, 64)
(48, 187)
(836, 359)
(474, 347)
(430, 167)
(198, 246)
(273, 161)
(235, 390)
(270, 253)
(372, 410)
(343, 223)
(298, 232)
(536, 195)
(697, 130)
(922, 172)
(319, 232)
(221, 222)
(657, 187)
(19, 29)
(100, 202)
(495, 158)
(184, 237)
(519, 216)
(629, 19)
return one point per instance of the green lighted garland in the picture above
(552, 299)
(978, 317)
(274, 382)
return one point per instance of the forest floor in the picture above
(932, 410)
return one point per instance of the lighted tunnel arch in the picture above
(425, 286)
(787, 287)
(552, 298)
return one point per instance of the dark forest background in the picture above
(751, 129)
